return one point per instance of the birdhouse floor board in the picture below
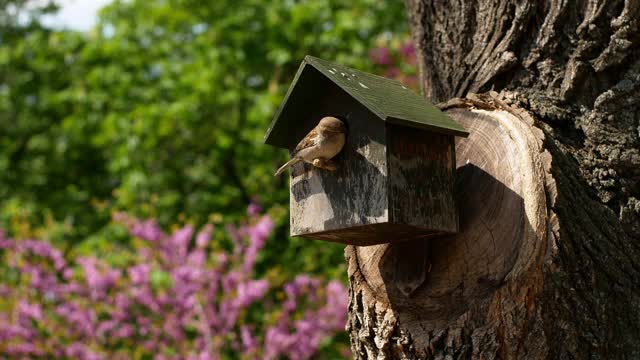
(374, 234)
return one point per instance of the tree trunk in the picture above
(547, 263)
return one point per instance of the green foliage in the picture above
(160, 111)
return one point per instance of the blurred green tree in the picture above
(160, 111)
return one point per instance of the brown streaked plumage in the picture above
(321, 144)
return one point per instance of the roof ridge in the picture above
(388, 99)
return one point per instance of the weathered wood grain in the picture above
(421, 179)
(355, 194)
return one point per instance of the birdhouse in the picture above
(394, 176)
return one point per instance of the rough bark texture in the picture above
(547, 264)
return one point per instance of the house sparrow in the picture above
(320, 145)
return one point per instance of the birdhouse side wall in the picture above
(421, 170)
(355, 194)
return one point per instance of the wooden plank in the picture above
(421, 166)
(354, 194)
(374, 234)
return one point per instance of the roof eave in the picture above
(267, 136)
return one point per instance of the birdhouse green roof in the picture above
(388, 99)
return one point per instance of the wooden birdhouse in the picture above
(394, 176)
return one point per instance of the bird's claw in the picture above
(325, 164)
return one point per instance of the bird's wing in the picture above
(307, 141)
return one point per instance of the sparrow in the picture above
(320, 145)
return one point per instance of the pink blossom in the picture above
(172, 327)
(380, 56)
(236, 236)
(258, 235)
(144, 296)
(41, 279)
(179, 241)
(9, 331)
(332, 313)
(248, 340)
(18, 349)
(254, 209)
(80, 352)
(29, 311)
(205, 355)
(5, 291)
(80, 320)
(250, 292)
(105, 327)
(124, 331)
(43, 250)
(230, 281)
(5, 243)
(99, 280)
(408, 50)
(139, 274)
(277, 342)
(148, 230)
(204, 236)
(197, 257)
(263, 228)
(178, 300)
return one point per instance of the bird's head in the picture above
(332, 124)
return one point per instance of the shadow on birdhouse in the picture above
(394, 175)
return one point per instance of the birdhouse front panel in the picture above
(324, 202)
(421, 166)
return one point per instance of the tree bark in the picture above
(547, 263)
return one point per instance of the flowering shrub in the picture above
(176, 299)
(395, 58)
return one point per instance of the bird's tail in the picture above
(286, 165)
